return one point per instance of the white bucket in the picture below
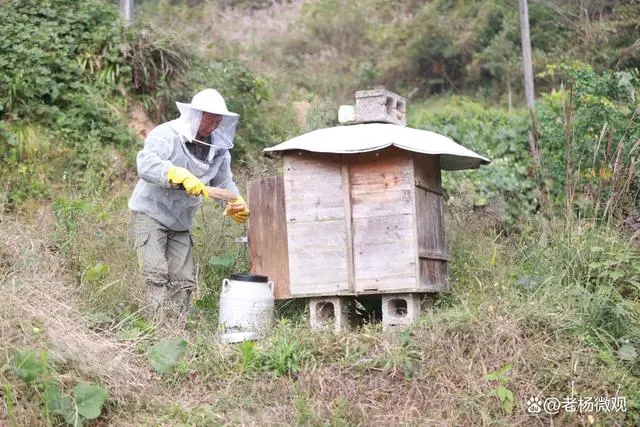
(246, 307)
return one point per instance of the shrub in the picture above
(505, 185)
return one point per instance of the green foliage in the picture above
(24, 148)
(503, 394)
(506, 185)
(61, 63)
(28, 365)
(286, 354)
(34, 368)
(405, 356)
(304, 410)
(249, 356)
(68, 71)
(60, 404)
(156, 58)
(165, 355)
(598, 112)
(89, 400)
(62, 75)
(224, 261)
(97, 273)
(322, 114)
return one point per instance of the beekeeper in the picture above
(189, 152)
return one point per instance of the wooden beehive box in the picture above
(358, 209)
(350, 224)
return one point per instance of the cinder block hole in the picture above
(326, 311)
(390, 104)
(400, 107)
(398, 307)
(367, 309)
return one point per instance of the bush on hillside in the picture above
(61, 64)
(67, 74)
(463, 46)
(599, 113)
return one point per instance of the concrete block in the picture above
(330, 312)
(380, 106)
(400, 309)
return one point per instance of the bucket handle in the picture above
(270, 284)
(225, 285)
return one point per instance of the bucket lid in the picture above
(243, 277)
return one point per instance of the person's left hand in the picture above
(237, 210)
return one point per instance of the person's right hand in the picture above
(193, 185)
(238, 210)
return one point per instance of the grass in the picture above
(529, 304)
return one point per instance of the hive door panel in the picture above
(432, 249)
(268, 252)
(315, 217)
(383, 253)
(384, 257)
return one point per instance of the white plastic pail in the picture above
(246, 307)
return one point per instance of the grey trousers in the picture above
(166, 263)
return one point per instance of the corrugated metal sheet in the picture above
(375, 136)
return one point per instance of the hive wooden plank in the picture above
(432, 250)
(348, 223)
(317, 256)
(381, 183)
(380, 172)
(392, 202)
(315, 218)
(430, 222)
(387, 284)
(396, 229)
(427, 172)
(383, 250)
(267, 235)
(313, 188)
(384, 253)
(433, 275)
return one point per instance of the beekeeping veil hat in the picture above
(209, 101)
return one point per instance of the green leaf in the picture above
(165, 355)
(627, 352)
(501, 391)
(129, 334)
(60, 404)
(616, 274)
(480, 201)
(508, 406)
(89, 400)
(29, 364)
(499, 374)
(223, 261)
(97, 272)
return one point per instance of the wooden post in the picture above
(126, 10)
(526, 53)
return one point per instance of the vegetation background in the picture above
(545, 270)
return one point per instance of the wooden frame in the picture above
(365, 223)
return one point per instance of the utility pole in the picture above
(526, 53)
(126, 10)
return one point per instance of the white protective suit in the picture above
(165, 147)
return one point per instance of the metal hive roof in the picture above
(362, 138)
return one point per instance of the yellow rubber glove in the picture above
(237, 210)
(193, 185)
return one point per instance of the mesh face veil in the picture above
(209, 101)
